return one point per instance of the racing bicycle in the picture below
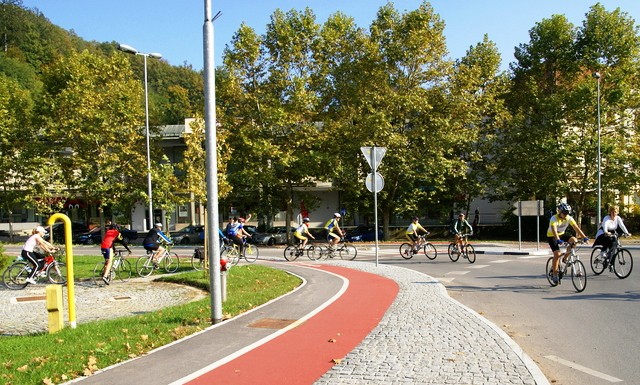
(231, 252)
(617, 258)
(407, 250)
(120, 268)
(467, 252)
(344, 249)
(292, 252)
(15, 276)
(572, 266)
(168, 261)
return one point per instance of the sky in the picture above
(174, 28)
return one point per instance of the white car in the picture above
(273, 236)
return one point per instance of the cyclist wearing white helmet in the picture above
(303, 230)
(556, 236)
(332, 230)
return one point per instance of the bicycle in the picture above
(617, 258)
(468, 252)
(198, 259)
(407, 250)
(578, 271)
(169, 261)
(15, 276)
(120, 268)
(292, 252)
(231, 252)
(344, 249)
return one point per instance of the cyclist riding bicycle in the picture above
(237, 233)
(414, 230)
(107, 246)
(458, 229)
(332, 231)
(303, 230)
(610, 225)
(556, 236)
(151, 243)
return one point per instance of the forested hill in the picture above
(30, 42)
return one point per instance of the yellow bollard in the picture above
(54, 307)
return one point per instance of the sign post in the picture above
(528, 208)
(374, 181)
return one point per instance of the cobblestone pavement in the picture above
(426, 337)
(24, 311)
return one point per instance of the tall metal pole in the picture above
(375, 197)
(599, 214)
(211, 166)
(146, 114)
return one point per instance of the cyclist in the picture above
(237, 233)
(30, 255)
(151, 243)
(107, 247)
(303, 230)
(556, 236)
(413, 231)
(458, 229)
(610, 225)
(332, 231)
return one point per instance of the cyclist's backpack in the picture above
(199, 252)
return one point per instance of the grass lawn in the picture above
(62, 356)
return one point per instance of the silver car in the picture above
(273, 236)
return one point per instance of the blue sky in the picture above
(174, 27)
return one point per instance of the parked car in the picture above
(273, 236)
(188, 235)
(363, 234)
(77, 228)
(94, 236)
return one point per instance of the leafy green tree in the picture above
(92, 116)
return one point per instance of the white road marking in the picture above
(459, 272)
(478, 266)
(533, 256)
(443, 279)
(501, 261)
(583, 369)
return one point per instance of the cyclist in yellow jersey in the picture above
(556, 236)
(303, 230)
(415, 229)
(332, 230)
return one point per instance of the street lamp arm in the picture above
(127, 49)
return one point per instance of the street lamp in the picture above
(130, 50)
(596, 75)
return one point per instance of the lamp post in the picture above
(596, 75)
(130, 50)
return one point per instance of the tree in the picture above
(91, 112)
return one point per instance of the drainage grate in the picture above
(272, 323)
(123, 298)
(32, 298)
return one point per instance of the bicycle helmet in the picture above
(337, 215)
(305, 219)
(564, 208)
(415, 218)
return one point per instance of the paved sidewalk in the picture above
(425, 337)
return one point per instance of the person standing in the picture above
(28, 251)
(556, 236)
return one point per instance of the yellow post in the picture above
(70, 276)
(54, 308)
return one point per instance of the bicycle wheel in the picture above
(430, 251)
(406, 251)
(171, 262)
(291, 253)
(15, 276)
(549, 272)
(250, 253)
(471, 253)
(597, 260)
(348, 252)
(622, 263)
(197, 263)
(314, 252)
(231, 255)
(122, 270)
(57, 273)
(454, 254)
(579, 276)
(144, 266)
(97, 274)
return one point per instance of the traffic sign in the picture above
(373, 152)
(379, 182)
(528, 208)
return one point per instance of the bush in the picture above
(5, 260)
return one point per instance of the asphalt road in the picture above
(583, 338)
